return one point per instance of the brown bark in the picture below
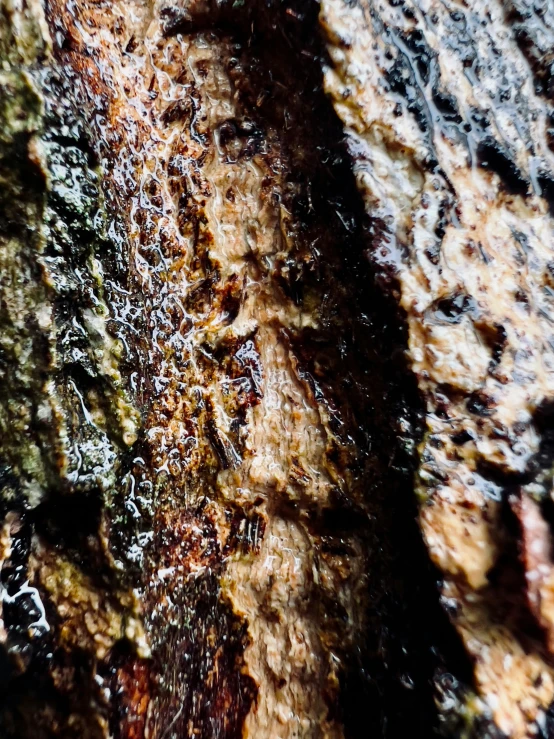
(260, 262)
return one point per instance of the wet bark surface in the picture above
(275, 452)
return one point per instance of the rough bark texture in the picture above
(449, 132)
(275, 286)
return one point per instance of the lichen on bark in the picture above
(65, 417)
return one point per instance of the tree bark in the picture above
(275, 350)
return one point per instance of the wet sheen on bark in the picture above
(240, 309)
